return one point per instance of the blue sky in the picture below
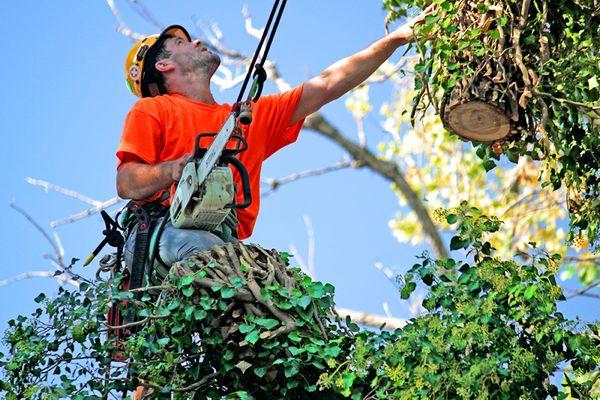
(64, 102)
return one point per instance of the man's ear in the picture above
(164, 65)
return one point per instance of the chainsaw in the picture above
(206, 193)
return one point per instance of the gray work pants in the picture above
(175, 245)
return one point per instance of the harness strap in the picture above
(154, 243)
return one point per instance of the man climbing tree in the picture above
(172, 74)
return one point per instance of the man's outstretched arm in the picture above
(350, 72)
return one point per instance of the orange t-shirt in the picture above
(164, 128)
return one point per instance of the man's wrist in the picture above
(402, 36)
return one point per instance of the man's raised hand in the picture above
(406, 31)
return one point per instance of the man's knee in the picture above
(177, 244)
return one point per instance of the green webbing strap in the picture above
(153, 254)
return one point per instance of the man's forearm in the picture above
(351, 71)
(139, 181)
(346, 74)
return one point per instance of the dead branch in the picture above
(39, 274)
(143, 12)
(595, 109)
(252, 31)
(122, 27)
(371, 320)
(584, 291)
(55, 247)
(275, 183)
(91, 211)
(387, 170)
(67, 192)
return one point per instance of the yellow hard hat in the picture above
(141, 77)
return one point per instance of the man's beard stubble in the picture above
(201, 63)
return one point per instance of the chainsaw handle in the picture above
(199, 152)
(241, 169)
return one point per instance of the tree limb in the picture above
(275, 183)
(86, 213)
(584, 290)
(386, 169)
(54, 246)
(372, 320)
(67, 192)
(39, 274)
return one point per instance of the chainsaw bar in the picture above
(196, 171)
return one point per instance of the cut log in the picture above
(477, 121)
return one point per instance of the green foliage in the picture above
(492, 331)
(551, 66)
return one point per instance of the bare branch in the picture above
(252, 31)
(146, 14)
(58, 242)
(67, 192)
(311, 244)
(275, 183)
(389, 274)
(122, 27)
(39, 274)
(55, 247)
(386, 169)
(384, 73)
(372, 320)
(583, 291)
(595, 109)
(76, 217)
(299, 259)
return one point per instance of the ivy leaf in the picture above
(457, 243)
(187, 280)
(41, 297)
(304, 301)
(245, 328)
(268, 323)
(593, 83)
(243, 366)
(227, 292)
(252, 337)
(294, 336)
(260, 371)
(489, 165)
(188, 291)
(290, 371)
(295, 350)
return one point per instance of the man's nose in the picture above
(197, 42)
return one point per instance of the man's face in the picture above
(192, 57)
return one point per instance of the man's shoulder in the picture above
(152, 104)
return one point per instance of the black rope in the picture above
(279, 14)
(271, 34)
